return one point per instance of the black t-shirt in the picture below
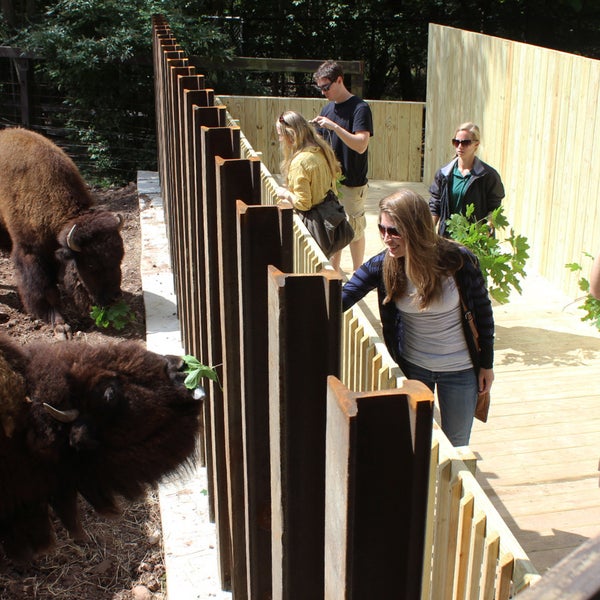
(353, 115)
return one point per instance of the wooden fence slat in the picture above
(504, 577)
(476, 555)
(463, 542)
(490, 560)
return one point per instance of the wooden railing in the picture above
(257, 298)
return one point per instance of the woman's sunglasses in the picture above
(391, 231)
(466, 143)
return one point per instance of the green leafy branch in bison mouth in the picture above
(195, 371)
(119, 315)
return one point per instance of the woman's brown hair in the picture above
(428, 256)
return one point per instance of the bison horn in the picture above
(71, 242)
(64, 416)
(121, 220)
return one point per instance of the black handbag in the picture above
(328, 224)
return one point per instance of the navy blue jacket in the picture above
(473, 290)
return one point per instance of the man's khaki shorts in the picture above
(353, 200)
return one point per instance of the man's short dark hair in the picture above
(329, 70)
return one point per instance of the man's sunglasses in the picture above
(325, 87)
(391, 231)
(466, 143)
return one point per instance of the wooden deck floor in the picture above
(538, 454)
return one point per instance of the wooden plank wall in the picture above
(395, 151)
(539, 115)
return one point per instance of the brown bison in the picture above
(55, 236)
(103, 421)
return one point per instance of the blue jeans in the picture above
(457, 396)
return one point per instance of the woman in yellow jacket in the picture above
(309, 166)
(311, 172)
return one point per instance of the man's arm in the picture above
(357, 141)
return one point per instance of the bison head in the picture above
(91, 252)
(124, 413)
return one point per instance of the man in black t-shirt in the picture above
(346, 123)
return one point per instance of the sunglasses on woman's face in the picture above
(466, 143)
(390, 231)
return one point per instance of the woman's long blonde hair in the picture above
(300, 134)
(428, 256)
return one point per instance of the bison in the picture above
(102, 421)
(47, 221)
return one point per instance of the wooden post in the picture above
(304, 348)
(378, 449)
(265, 237)
(237, 179)
(575, 576)
(223, 142)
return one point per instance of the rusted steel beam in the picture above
(304, 348)
(378, 449)
(265, 237)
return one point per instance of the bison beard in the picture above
(102, 421)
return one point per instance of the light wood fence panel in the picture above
(539, 115)
(395, 150)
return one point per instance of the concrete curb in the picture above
(189, 539)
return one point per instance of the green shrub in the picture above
(503, 268)
(591, 306)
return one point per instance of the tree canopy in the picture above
(98, 52)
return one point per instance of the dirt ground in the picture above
(123, 559)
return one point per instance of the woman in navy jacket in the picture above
(463, 181)
(420, 279)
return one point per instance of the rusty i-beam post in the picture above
(237, 179)
(304, 348)
(265, 237)
(223, 142)
(378, 450)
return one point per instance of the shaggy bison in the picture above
(102, 421)
(55, 236)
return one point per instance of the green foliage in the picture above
(119, 315)
(196, 371)
(98, 54)
(590, 305)
(502, 269)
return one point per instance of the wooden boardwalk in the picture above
(538, 454)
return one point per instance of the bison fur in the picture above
(101, 421)
(55, 236)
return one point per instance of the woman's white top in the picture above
(434, 338)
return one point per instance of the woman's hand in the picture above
(486, 378)
(285, 197)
